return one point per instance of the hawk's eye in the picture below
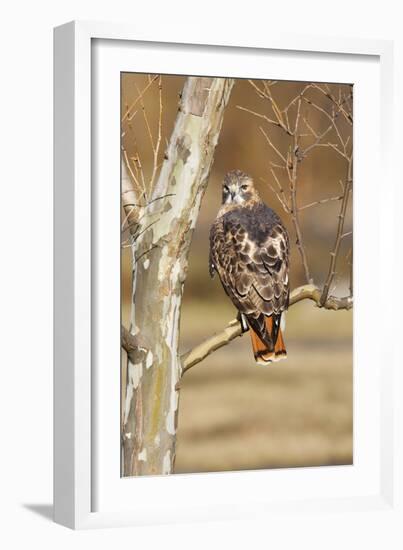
(244, 187)
(226, 190)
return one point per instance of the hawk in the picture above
(249, 249)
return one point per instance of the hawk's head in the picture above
(238, 188)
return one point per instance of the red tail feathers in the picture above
(263, 355)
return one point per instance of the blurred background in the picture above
(234, 415)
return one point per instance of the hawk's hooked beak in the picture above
(230, 196)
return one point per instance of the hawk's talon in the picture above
(244, 325)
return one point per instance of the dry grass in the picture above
(235, 415)
(273, 417)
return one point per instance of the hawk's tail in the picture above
(263, 354)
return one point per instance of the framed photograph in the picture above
(221, 236)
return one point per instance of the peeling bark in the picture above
(160, 266)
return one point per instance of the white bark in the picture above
(160, 266)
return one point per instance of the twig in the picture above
(138, 98)
(338, 103)
(272, 145)
(276, 110)
(127, 162)
(293, 101)
(341, 153)
(139, 168)
(332, 118)
(281, 195)
(147, 123)
(339, 235)
(321, 201)
(130, 192)
(158, 142)
(144, 253)
(317, 141)
(137, 235)
(267, 119)
(293, 194)
(129, 209)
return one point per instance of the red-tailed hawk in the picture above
(249, 249)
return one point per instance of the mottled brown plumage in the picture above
(249, 249)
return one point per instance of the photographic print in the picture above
(236, 274)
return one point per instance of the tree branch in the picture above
(339, 236)
(339, 104)
(277, 123)
(234, 329)
(134, 345)
(200, 352)
(321, 201)
(293, 194)
(129, 110)
(130, 196)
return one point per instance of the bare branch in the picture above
(317, 141)
(312, 292)
(272, 145)
(147, 123)
(296, 127)
(338, 103)
(130, 192)
(341, 153)
(281, 194)
(332, 118)
(140, 173)
(129, 116)
(339, 235)
(295, 99)
(293, 192)
(156, 149)
(234, 330)
(276, 110)
(267, 119)
(200, 352)
(321, 201)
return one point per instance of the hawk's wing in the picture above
(250, 252)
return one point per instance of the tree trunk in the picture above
(159, 271)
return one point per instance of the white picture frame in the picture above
(89, 492)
